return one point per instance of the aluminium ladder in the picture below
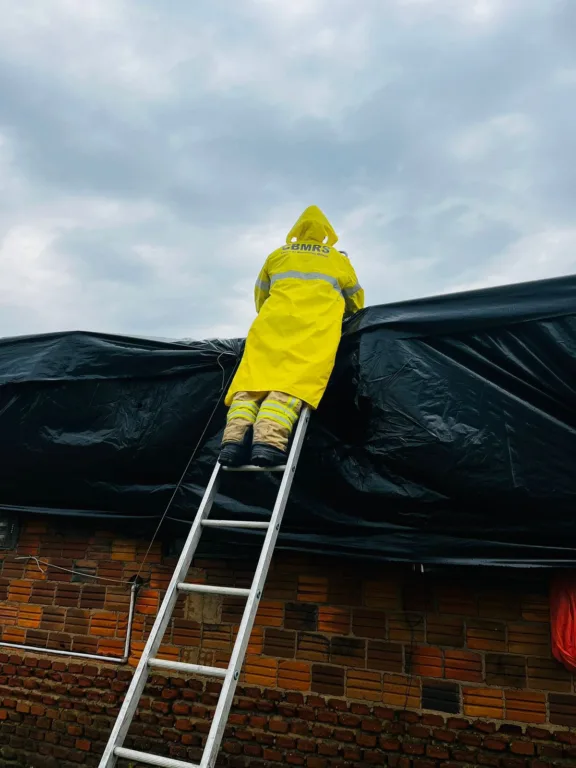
(177, 586)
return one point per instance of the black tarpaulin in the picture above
(447, 434)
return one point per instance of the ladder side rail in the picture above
(132, 698)
(226, 697)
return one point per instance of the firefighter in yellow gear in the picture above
(303, 292)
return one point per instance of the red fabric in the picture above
(563, 619)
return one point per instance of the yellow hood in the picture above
(313, 225)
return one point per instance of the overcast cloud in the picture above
(153, 153)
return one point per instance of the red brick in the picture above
(327, 748)
(389, 745)
(522, 748)
(294, 759)
(496, 745)
(372, 725)
(438, 753)
(84, 745)
(435, 720)
(278, 726)
(444, 735)
(316, 762)
(410, 748)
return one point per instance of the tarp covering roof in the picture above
(447, 433)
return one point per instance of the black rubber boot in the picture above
(236, 454)
(267, 456)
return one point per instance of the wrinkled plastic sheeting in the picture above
(447, 433)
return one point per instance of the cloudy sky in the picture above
(153, 153)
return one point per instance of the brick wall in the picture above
(347, 664)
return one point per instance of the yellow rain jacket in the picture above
(302, 294)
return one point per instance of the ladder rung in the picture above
(235, 524)
(254, 468)
(232, 591)
(144, 757)
(179, 666)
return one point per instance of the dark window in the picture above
(9, 530)
(442, 697)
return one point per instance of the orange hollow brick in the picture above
(218, 637)
(401, 691)
(147, 602)
(464, 666)
(8, 615)
(122, 626)
(367, 622)
(138, 627)
(117, 599)
(53, 618)
(535, 608)
(530, 639)
(108, 647)
(136, 649)
(281, 586)
(484, 702)
(294, 676)
(34, 573)
(525, 706)
(14, 635)
(104, 624)
(312, 647)
(12, 570)
(494, 605)
(270, 614)
(256, 641)
(334, 620)
(312, 589)
(35, 527)
(548, 675)
(343, 590)
(19, 591)
(458, 601)
(485, 635)
(30, 616)
(123, 549)
(186, 632)
(260, 671)
(361, 684)
(406, 628)
(445, 630)
(426, 661)
(168, 652)
(28, 545)
(382, 595)
(222, 659)
(160, 578)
